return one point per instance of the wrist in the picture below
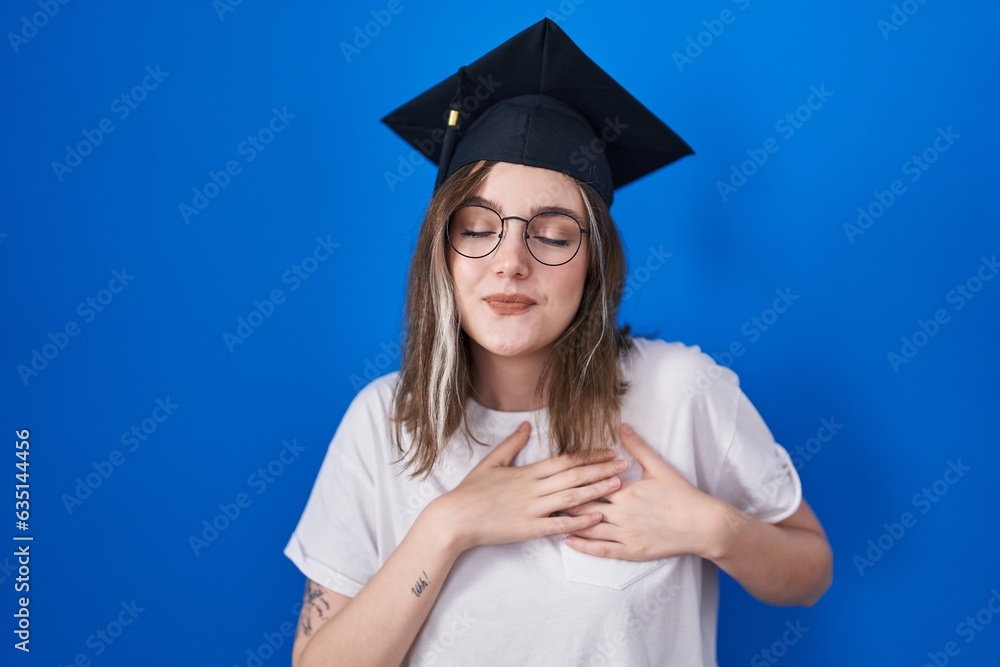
(724, 526)
(439, 523)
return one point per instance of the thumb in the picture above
(647, 457)
(504, 453)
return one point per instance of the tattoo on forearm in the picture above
(421, 584)
(312, 602)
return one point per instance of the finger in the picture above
(504, 453)
(557, 464)
(581, 476)
(599, 548)
(561, 500)
(605, 508)
(650, 460)
(600, 531)
(567, 524)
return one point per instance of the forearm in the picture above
(379, 625)
(780, 565)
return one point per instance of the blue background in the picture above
(324, 176)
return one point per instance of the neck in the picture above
(506, 384)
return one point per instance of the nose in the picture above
(512, 257)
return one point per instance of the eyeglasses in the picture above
(552, 238)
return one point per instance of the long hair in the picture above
(581, 377)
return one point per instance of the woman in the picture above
(475, 507)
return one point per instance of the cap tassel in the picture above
(450, 132)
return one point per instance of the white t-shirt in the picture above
(540, 602)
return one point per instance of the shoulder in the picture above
(371, 407)
(676, 367)
(377, 394)
(364, 430)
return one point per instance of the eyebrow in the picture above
(483, 201)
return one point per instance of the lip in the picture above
(509, 304)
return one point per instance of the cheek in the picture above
(578, 296)
(570, 290)
(461, 279)
(580, 279)
(449, 261)
(454, 270)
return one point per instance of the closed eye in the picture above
(556, 243)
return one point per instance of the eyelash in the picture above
(554, 242)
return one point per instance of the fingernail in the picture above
(626, 429)
(620, 465)
(614, 482)
(523, 427)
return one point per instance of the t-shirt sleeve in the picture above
(335, 542)
(757, 475)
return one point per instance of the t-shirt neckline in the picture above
(473, 404)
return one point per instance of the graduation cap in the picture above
(538, 100)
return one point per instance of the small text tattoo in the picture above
(313, 601)
(421, 584)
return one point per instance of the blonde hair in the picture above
(581, 377)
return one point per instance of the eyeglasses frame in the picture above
(503, 224)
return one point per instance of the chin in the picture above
(508, 348)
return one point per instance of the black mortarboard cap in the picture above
(538, 100)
